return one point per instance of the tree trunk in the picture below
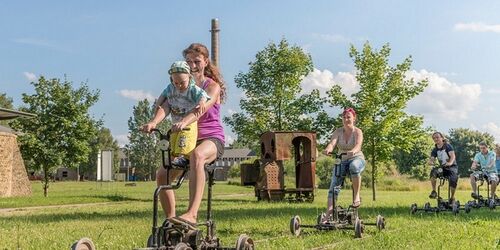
(45, 182)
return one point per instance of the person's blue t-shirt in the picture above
(181, 103)
(443, 154)
(498, 165)
(487, 161)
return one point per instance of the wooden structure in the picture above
(13, 177)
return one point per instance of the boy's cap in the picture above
(179, 67)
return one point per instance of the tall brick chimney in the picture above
(215, 41)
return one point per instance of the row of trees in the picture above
(273, 101)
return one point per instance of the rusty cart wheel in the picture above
(83, 244)
(244, 243)
(295, 225)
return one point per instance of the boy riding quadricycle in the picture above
(484, 170)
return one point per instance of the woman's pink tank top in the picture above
(209, 124)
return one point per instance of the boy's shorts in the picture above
(491, 176)
(183, 142)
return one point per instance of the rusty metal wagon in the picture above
(267, 175)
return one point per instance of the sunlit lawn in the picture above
(121, 219)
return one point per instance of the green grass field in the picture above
(118, 217)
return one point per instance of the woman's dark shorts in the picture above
(218, 144)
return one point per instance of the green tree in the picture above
(465, 142)
(272, 88)
(103, 141)
(63, 129)
(5, 102)
(414, 161)
(380, 103)
(143, 149)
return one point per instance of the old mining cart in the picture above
(267, 175)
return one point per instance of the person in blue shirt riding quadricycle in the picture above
(497, 162)
(486, 160)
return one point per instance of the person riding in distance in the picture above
(486, 159)
(444, 153)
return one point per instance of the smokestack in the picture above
(215, 41)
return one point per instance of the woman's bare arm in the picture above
(333, 142)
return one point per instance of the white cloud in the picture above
(121, 139)
(137, 95)
(335, 38)
(41, 43)
(325, 80)
(34, 41)
(443, 100)
(231, 111)
(30, 76)
(477, 27)
(493, 129)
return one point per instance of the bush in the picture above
(421, 172)
(234, 171)
(324, 169)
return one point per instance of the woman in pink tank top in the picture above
(210, 143)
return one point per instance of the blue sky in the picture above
(124, 48)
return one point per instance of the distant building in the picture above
(230, 158)
(66, 174)
(125, 165)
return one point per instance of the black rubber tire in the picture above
(380, 222)
(83, 244)
(413, 208)
(182, 246)
(358, 228)
(295, 225)
(244, 243)
(320, 218)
